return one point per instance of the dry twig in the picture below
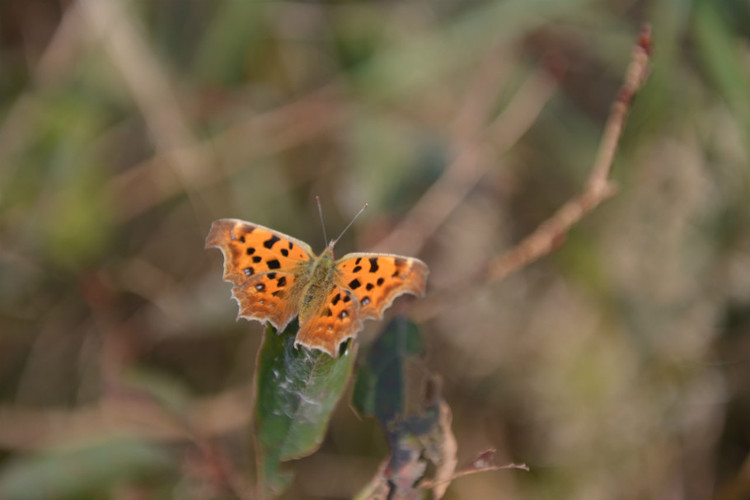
(598, 188)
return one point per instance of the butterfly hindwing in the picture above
(264, 266)
(337, 319)
(377, 279)
(269, 297)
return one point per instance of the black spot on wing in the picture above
(357, 269)
(269, 243)
(374, 264)
(285, 252)
(359, 259)
(281, 282)
(336, 299)
(380, 281)
(369, 286)
(273, 264)
(271, 276)
(257, 258)
(249, 271)
(354, 284)
(250, 250)
(328, 312)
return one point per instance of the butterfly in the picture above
(277, 277)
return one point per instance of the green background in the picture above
(617, 367)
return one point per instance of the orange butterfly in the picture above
(277, 277)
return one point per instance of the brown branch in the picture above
(467, 472)
(484, 462)
(551, 232)
(598, 188)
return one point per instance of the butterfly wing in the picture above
(337, 319)
(265, 266)
(365, 285)
(377, 279)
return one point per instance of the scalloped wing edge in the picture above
(418, 292)
(250, 317)
(417, 265)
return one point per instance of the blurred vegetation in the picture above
(618, 367)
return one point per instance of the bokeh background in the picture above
(617, 367)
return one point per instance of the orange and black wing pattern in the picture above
(265, 267)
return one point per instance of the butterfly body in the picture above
(277, 277)
(321, 277)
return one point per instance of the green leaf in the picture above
(296, 392)
(380, 386)
(82, 471)
(417, 423)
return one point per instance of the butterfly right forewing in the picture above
(377, 279)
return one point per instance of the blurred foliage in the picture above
(616, 367)
(88, 472)
(380, 387)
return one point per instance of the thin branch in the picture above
(550, 233)
(598, 188)
(467, 472)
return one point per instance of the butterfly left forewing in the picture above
(377, 279)
(266, 267)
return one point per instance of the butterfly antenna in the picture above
(322, 223)
(350, 224)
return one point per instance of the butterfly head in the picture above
(329, 249)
